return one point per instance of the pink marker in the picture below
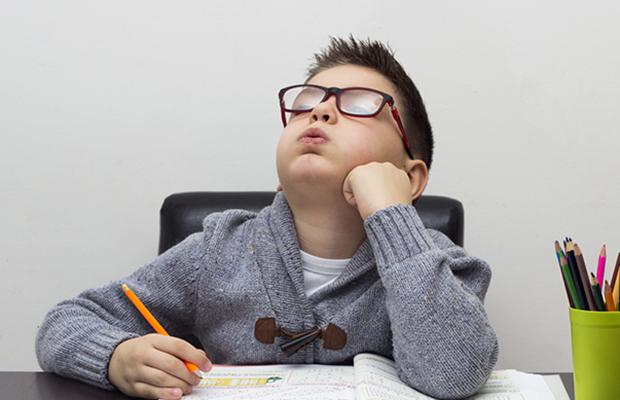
(600, 272)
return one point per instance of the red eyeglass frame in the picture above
(387, 99)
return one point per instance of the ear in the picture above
(418, 177)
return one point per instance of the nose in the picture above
(326, 111)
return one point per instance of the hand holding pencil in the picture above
(155, 365)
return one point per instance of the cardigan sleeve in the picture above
(79, 335)
(443, 343)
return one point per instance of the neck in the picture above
(327, 226)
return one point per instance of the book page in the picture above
(555, 384)
(376, 378)
(276, 382)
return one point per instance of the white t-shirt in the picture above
(320, 272)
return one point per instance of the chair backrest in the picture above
(182, 213)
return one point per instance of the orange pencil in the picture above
(151, 319)
(609, 300)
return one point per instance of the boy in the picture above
(339, 264)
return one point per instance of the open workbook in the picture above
(371, 377)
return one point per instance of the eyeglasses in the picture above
(352, 101)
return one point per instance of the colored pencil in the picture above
(600, 271)
(596, 292)
(616, 271)
(569, 282)
(609, 300)
(572, 263)
(615, 292)
(559, 254)
(151, 319)
(583, 274)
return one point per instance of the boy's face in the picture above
(352, 141)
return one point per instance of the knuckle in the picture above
(150, 337)
(160, 377)
(144, 390)
(179, 346)
(155, 393)
(170, 364)
(153, 377)
(131, 375)
(186, 388)
(150, 340)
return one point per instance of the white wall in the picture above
(108, 107)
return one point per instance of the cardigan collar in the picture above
(279, 261)
(282, 234)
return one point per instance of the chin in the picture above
(311, 168)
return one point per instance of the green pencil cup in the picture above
(596, 354)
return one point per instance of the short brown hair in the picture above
(376, 55)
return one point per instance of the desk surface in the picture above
(44, 385)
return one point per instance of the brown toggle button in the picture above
(334, 338)
(266, 330)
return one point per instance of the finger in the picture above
(171, 365)
(347, 191)
(153, 392)
(159, 378)
(183, 350)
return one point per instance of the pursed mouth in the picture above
(313, 135)
(312, 140)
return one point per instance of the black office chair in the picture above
(182, 213)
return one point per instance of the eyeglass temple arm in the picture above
(396, 116)
(283, 114)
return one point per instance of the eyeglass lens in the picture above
(352, 101)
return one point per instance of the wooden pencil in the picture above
(602, 258)
(615, 292)
(583, 274)
(569, 282)
(572, 263)
(596, 293)
(559, 253)
(615, 273)
(609, 300)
